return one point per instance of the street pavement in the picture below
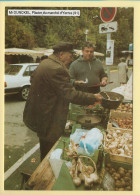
(19, 140)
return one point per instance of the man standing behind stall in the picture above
(87, 71)
(50, 93)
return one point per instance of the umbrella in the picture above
(79, 52)
(19, 51)
(127, 51)
(48, 52)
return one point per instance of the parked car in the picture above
(17, 79)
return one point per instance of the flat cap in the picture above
(63, 46)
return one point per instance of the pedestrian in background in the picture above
(122, 71)
(87, 70)
(50, 93)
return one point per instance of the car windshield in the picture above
(13, 69)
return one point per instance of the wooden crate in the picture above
(118, 114)
(123, 159)
(117, 157)
(126, 106)
(117, 164)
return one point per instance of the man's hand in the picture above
(79, 82)
(104, 81)
(98, 97)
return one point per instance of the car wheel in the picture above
(24, 93)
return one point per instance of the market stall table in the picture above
(43, 177)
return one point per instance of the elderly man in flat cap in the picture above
(51, 92)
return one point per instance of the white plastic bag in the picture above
(92, 141)
(76, 136)
(125, 90)
(88, 140)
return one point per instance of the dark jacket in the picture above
(50, 93)
(92, 70)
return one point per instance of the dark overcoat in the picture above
(50, 93)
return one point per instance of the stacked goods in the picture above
(122, 177)
(118, 143)
(118, 140)
(125, 107)
(125, 123)
(123, 120)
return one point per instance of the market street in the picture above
(20, 141)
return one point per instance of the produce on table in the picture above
(96, 105)
(95, 108)
(124, 123)
(81, 172)
(125, 107)
(122, 177)
(119, 142)
(87, 174)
